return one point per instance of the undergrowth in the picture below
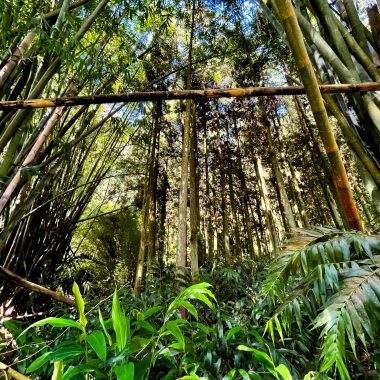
(312, 314)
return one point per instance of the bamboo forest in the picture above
(190, 189)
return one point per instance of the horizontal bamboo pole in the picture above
(131, 97)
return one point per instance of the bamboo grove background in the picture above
(103, 193)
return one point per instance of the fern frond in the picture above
(337, 273)
(350, 313)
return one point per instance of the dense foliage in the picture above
(262, 325)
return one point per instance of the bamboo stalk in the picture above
(15, 58)
(30, 157)
(131, 97)
(309, 79)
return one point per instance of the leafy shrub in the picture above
(155, 343)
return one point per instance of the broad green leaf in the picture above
(356, 322)
(153, 310)
(284, 372)
(230, 375)
(173, 328)
(203, 298)
(55, 322)
(91, 367)
(120, 323)
(125, 371)
(207, 330)
(349, 330)
(38, 363)
(58, 370)
(189, 307)
(80, 305)
(241, 347)
(262, 357)
(147, 326)
(66, 352)
(101, 320)
(279, 328)
(269, 326)
(244, 374)
(192, 376)
(98, 343)
(233, 331)
(137, 344)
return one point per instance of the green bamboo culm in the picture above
(288, 18)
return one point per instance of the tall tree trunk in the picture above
(162, 201)
(152, 224)
(209, 229)
(225, 219)
(148, 191)
(269, 221)
(237, 243)
(244, 189)
(194, 198)
(182, 212)
(285, 207)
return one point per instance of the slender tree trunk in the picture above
(286, 210)
(209, 228)
(226, 227)
(237, 243)
(194, 198)
(152, 225)
(269, 221)
(148, 191)
(163, 194)
(15, 58)
(182, 213)
(30, 157)
(244, 189)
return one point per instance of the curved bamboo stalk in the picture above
(30, 157)
(131, 97)
(16, 57)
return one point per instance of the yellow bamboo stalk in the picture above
(289, 20)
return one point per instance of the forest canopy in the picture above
(189, 189)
